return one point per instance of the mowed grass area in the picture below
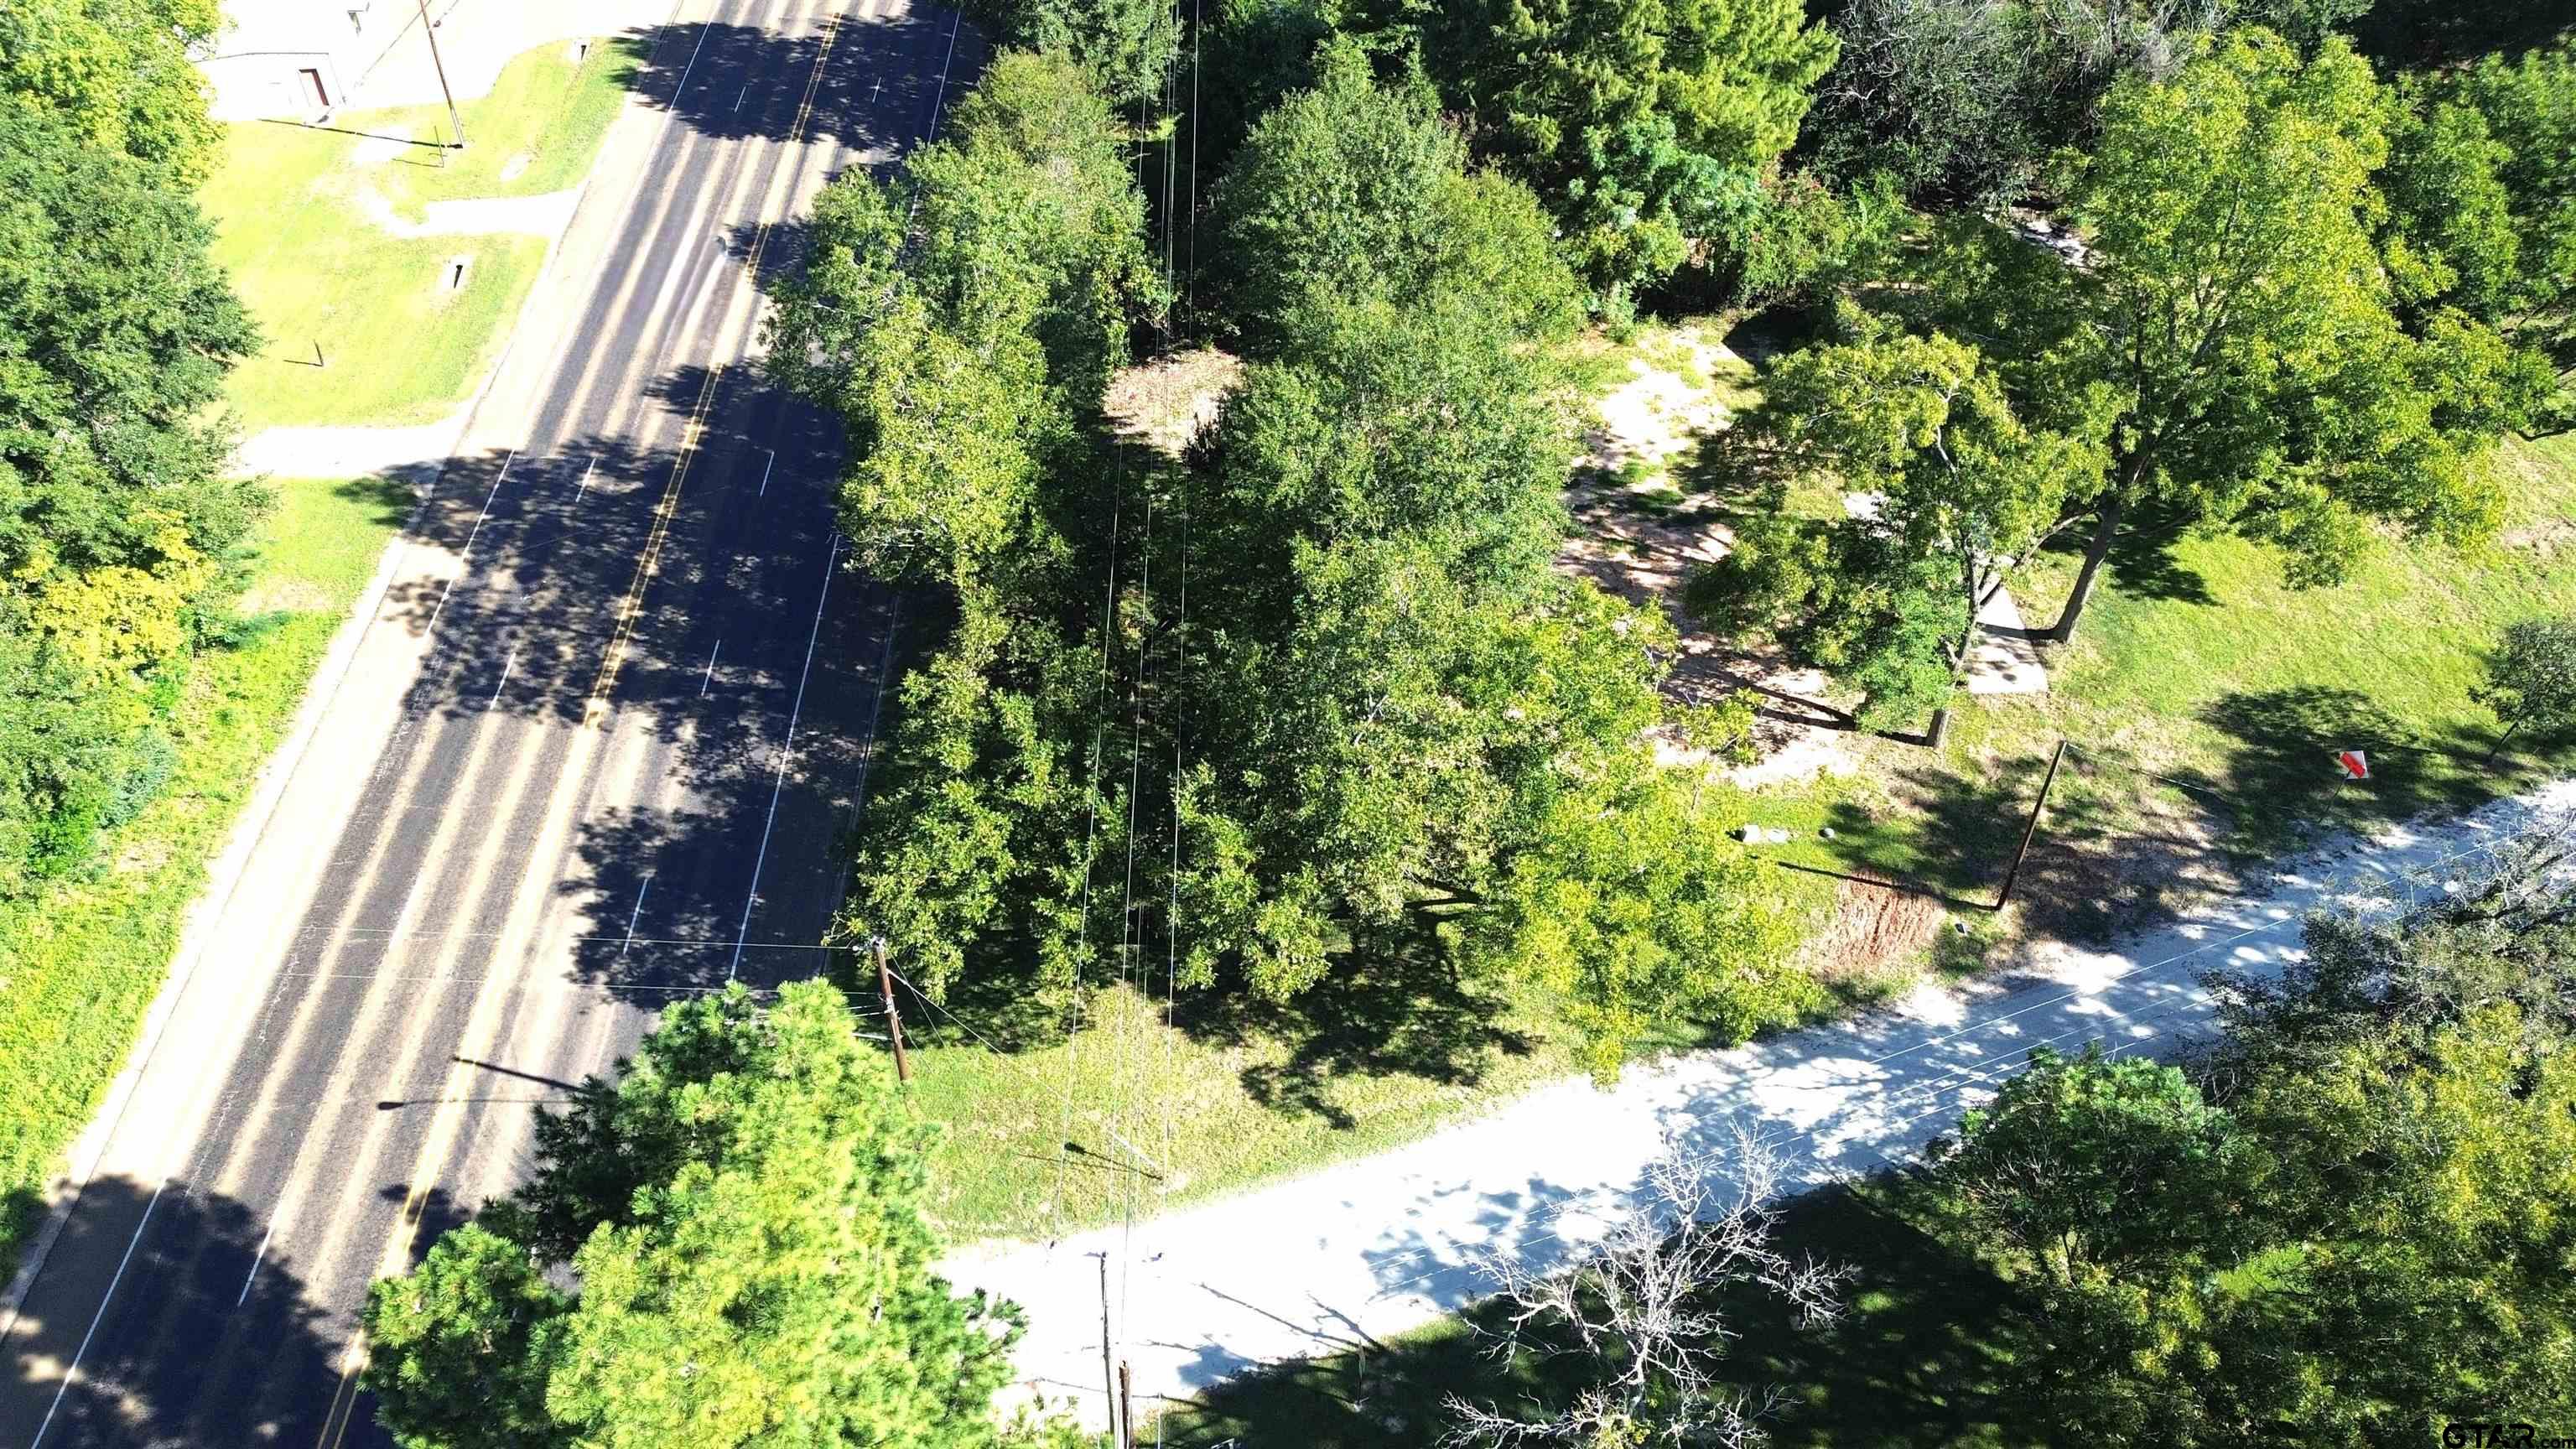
(296, 210)
(80, 963)
(1919, 1360)
(1148, 1104)
(1133, 1111)
(2203, 698)
(535, 133)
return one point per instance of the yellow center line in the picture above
(595, 712)
(344, 1399)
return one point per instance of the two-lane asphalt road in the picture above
(594, 750)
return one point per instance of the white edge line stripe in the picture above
(255, 1258)
(104, 1299)
(786, 754)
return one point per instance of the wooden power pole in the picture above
(1108, 1377)
(894, 1017)
(431, 30)
(1126, 1409)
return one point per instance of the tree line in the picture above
(2304, 307)
(1374, 712)
(121, 529)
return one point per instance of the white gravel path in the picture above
(2004, 660)
(1381, 1244)
(545, 214)
(350, 452)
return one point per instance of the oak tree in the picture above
(120, 74)
(119, 520)
(1643, 125)
(2232, 306)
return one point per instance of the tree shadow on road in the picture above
(191, 1347)
(877, 86)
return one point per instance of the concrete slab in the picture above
(2004, 660)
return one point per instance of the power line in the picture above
(1172, 878)
(1180, 640)
(1131, 936)
(1135, 749)
(1004, 1058)
(1091, 811)
(1197, 18)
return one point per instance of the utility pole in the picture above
(894, 1018)
(2030, 828)
(1126, 1408)
(430, 30)
(1108, 1375)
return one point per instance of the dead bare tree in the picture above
(1642, 1305)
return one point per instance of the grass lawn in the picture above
(1227, 1095)
(536, 132)
(1269, 1094)
(398, 345)
(80, 962)
(2204, 699)
(1234, 1092)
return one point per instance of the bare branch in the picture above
(1643, 1304)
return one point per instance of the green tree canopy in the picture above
(1641, 124)
(1246, 55)
(1964, 101)
(2498, 932)
(740, 1212)
(2234, 311)
(1378, 695)
(117, 519)
(1401, 709)
(2531, 677)
(1954, 492)
(1126, 46)
(2093, 1166)
(2418, 1185)
(108, 367)
(118, 73)
(2351, 1217)
(964, 317)
(1355, 189)
(2482, 203)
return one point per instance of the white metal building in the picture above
(301, 60)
